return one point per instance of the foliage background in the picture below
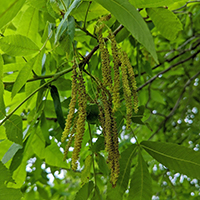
(159, 154)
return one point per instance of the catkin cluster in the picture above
(78, 125)
(110, 97)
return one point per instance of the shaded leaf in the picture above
(127, 15)
(61, 28)
(156, 96)
(8, 10)
(14, 129)
(165, 21)
(18, 45)
(57, 106)
(98, 145)
(85, 191)
(175, 157)
(62, 84)
(103, 166)
(140, 186)
(97, 194)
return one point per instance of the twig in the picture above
(176, 105)
(42, 86)
(166, 70)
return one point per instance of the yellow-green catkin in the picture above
(71, 137)
(80, 128)
(72, 104)
(132, 81)
(106, 69)
(126, 89)
(116, 61)
(115, 170)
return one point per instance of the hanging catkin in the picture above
(127, 90)
(116, 61)
(132, 81)
(72, 105)
(82, 103)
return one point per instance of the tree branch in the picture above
(176, 105)
(166, 70)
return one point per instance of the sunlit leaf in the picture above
(165, 21)
(127, 15)
(18, 45)
(153, 3)
(8, 10)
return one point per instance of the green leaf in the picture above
(62, 84)
(98, 145)
(140, 186)
(22, 77)
(54, 157)
(123, 180)
(85, 174)
(153, 3)
(28, 25)
(2, 104)
(85, 191)
(10, 193)
(175, 157)
(57, 106)
(165, 21)
(7, 193)
(18, 45)
(103, 166)
(17, 159)
(95, 11)
(156, 96)
(5, 174)
(11, 152)
(14, 129)
(38, 143)
(127, 15)
(92, 113)
(62, 28)
(97, 194)
(8, 10)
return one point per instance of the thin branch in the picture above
(175, 106)
(166, 70)
(28, 97)
(186, 5)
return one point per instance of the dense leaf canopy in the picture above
(99, 99)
